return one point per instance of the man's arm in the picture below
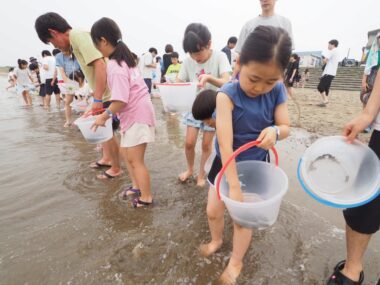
(100, 81)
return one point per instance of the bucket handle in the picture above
(234, 155)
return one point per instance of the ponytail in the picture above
(122, 53)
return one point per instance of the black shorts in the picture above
(148, 83)
(325, 84)
(42, 92)
(51, 89)
(115, 120)
(217, 166)
(366, 219)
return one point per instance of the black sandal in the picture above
(337, 278)
(137, 201)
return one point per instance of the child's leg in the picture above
(47, 100)
(215, 217)
(191, 140)
(68, 110)
(25, 97)
(58, 100)
(135, 156)
(241, 241)
(111, 155)
(206, 152)
(29, 98)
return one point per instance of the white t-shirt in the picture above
(47, 74)
(11, 75)
(274, 21)
(332, 64)
(146, 59)
(376, 123)
(216, 65)
(22, 76)
(84, 91)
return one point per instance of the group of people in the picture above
(242, 97)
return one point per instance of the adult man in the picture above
(147, 66)
(266, 18)
(231, 43)
(331, 60)
(52, 28)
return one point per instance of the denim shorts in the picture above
(189, 121)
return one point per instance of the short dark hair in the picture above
(21, 62)
(204, 105)
(108, 29)
(267, 43)
(232, 40)
(51, 21)
(197, 36)
(335, 43)
(45, 53)
(56, 51)
(33, 66)
(152, 49)
(78, 74)
(169, 48)
(174, 54)
(11, 69)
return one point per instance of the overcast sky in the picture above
(154, 23)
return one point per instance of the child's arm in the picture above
(224, 132)
(115, 107)
(218, 82)
(268, 136)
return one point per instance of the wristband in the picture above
(108, 111)
(98, 100)
(277, 132)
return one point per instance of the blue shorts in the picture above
(189, 121)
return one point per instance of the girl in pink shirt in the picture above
(131, 101)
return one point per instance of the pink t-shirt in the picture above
(127, 85)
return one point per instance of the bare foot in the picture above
(184, 176)
(201, 182)
(210, 248)
(230, 274)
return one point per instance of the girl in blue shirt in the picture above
(252, 108)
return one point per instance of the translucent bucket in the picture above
(79, 106)
(339, 174)
(178, 97)
(101, 135)
(263, 186)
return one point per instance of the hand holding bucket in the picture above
(263, 187)
(234, 155)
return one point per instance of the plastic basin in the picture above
(339, 174)
(178, 97)
(101, 135)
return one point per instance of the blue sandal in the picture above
(337, 278)
(136, 202)
(124, 194)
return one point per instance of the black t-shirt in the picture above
(167, 61)
(290, 69)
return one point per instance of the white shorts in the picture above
(136, 135)
(68, 88)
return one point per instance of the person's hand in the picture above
(290, 80)
(100, 121)
(268, 138)
(364, 85)
(203, 79)
(355, 126)
(52, 82)
(236, 194)
(96, 106)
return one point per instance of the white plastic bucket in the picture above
(339, 174)
(79, 106)
(263, 186)
(178, 97)
(101, 135)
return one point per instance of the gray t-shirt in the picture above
(274, 21)
(216, 65)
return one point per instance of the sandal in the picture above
(106, 176)
(337, 278)
(124, 194)
(137, 203)
(97, 165)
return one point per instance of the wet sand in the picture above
(60, 225)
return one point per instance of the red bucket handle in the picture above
(234, 155)
(94, 112)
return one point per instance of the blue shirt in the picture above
(250, 116)
(69, 64)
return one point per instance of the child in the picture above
(11, 78)
(252, 108)
(156, 76)
(24, 81)
(131, 99)
(173, 69)
(211, 70)
(305, 77)
(83, 95)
